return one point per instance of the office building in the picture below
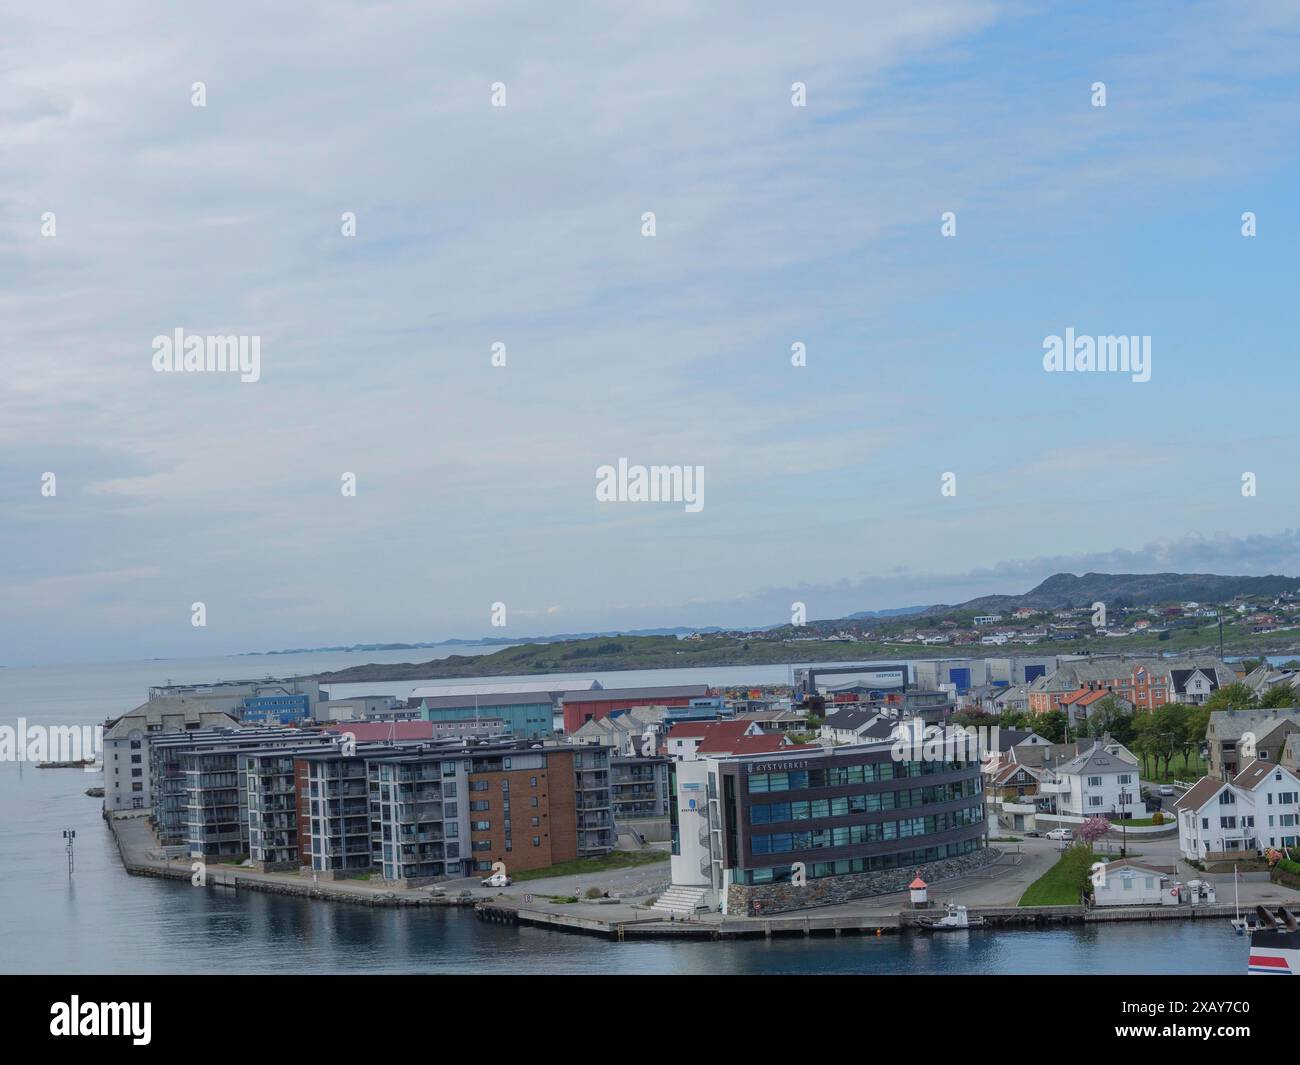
(810, 826)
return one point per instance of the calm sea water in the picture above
(99, 920)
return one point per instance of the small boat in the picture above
(95, 793)
(954, 917)
(79, 764)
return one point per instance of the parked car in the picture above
(1166, 789)
(1061, 834)
(497, 880)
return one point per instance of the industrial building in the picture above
(579, 707)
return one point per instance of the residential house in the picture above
(685, 737)
(1210, 817)
(857, 726)
(1275, 797)
(1098, 781)
(1258, 808)
(1235, 737)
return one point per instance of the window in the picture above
(537, 841)
(481, 826)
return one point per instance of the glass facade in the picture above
(847, 812)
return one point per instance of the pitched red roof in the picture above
(712, 729)
(741, 745)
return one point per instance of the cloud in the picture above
(521, 225)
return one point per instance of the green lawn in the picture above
(1062, 884)
(1191, 767)
(614, 860)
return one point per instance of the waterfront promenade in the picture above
(992, 892)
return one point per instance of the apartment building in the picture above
(422, 812)
(219, 796)
(179, 783)
(1146, 683)
(333, 795)
(638, 787)
(270, 805)
(128, 782)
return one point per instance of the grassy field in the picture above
(1181, 767)
(604, 864)
(1061, 885)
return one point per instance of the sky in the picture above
(523, 225)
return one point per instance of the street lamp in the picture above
(1123, 828)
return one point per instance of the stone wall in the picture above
(831, 890)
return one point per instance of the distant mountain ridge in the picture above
(1063, 590)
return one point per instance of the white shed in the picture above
(1127, 883)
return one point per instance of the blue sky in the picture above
(775, 224)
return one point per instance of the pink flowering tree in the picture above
(1093, 829)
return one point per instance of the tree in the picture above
(1093, 829)
(1108, 717)
(1169, 723)
(1051, 725)
(1231, 697)
(1013, 719)
(1278, 696)
(974, 718)
(1145, 740)
(1195, 725)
